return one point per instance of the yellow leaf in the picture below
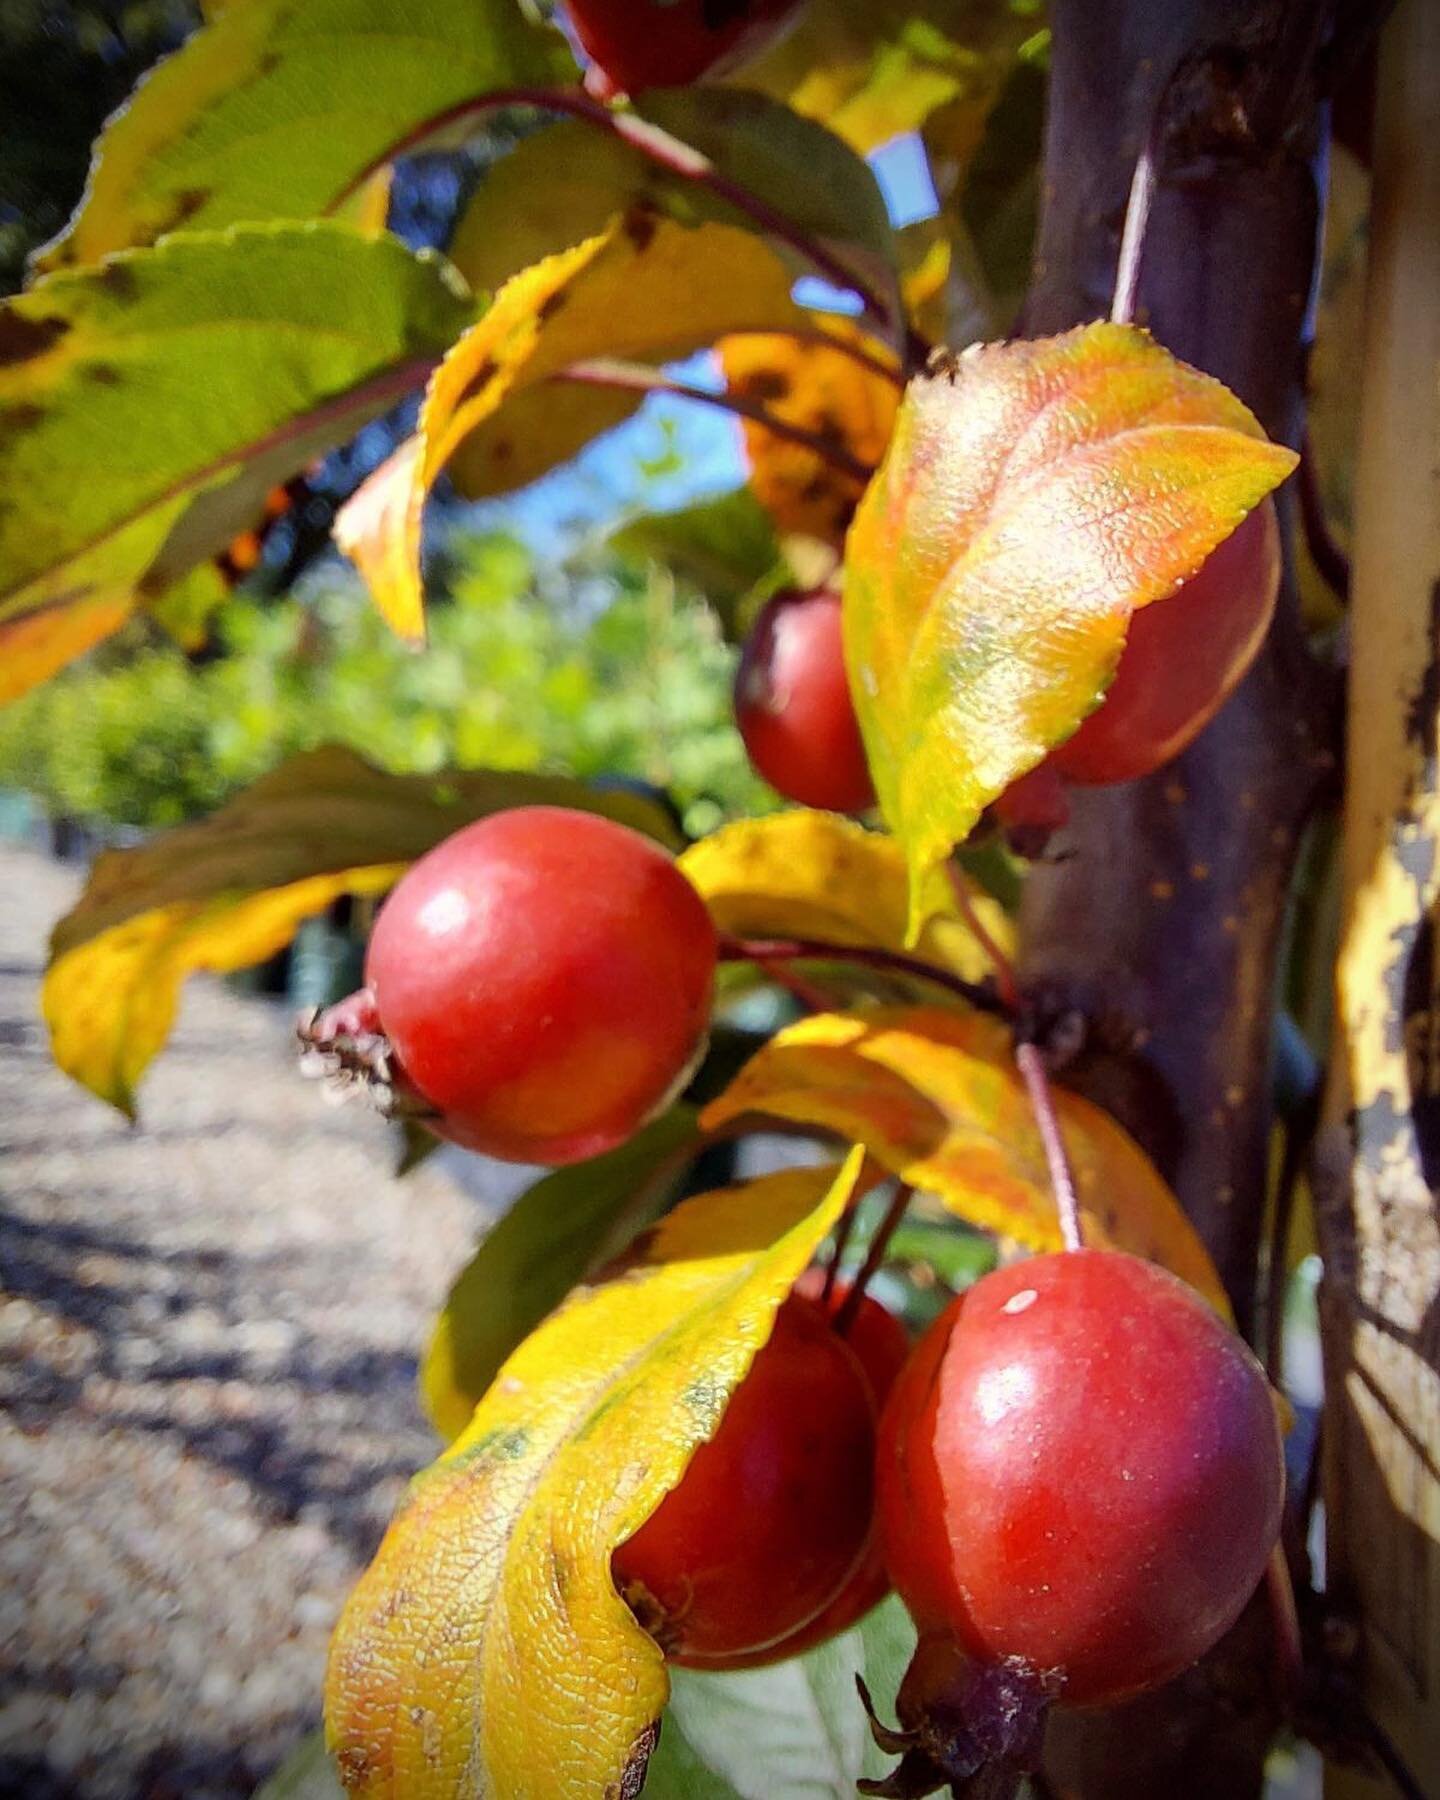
(934, 1095)
(110, 1003)
(1033, 496)
(645, 287)
(826, 391)
(816, 875)
(486, 1651)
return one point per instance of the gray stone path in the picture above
(208, 1333)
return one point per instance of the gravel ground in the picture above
(208, 1333)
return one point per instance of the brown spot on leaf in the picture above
(640, 227)
(118, 280)
(633, 1780)
(23, 416)
(103, 374)
(22, 338)
(764, 384)
(550, 305)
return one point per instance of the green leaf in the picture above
(147, 406)
(230, 890)
(276, 107)
(791, 1732)
(557, 1231)
(566, 184)
(727, 547)
(306, 1774)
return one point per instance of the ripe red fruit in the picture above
(772, 1516)
(793, 705)
(544, 980)
(1183, 658)
(1081, 1468)
(639, 44)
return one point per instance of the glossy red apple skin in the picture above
(637, 44)
(1081, 1468)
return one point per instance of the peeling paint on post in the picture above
(1379, 1161)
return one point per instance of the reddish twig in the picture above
(894, 962)
(1006, 979)
(1132, 238)
(670, 154)
(846, 1312)
(842, 1239)
(1037, 1082)
(819, 339)
(640, 378)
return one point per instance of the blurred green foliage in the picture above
(606, 671)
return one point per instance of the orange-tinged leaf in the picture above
(815, 875)
(645, 287)
(486, 1652)
(1033, 496)
(34, 646)
(934, 1095)
(829, 392)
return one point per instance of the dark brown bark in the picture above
(1161, 914)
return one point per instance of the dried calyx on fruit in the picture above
(537, 988)
(1080, 1483)
(637, 44)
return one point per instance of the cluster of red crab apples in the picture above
(1074, 1480)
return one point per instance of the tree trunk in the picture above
(1160, 912)
(1380, 1147)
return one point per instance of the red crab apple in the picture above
(793, 705)
(542, 981)
(1183, 658)
(1080, 1471)
(772, 1516)
(637, 44)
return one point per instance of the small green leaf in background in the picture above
(556, 1232)
(272, 110)
(726, 546)
(792, 1732)
(194, 376)
(306, 1774)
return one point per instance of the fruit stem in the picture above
(784, 950)
(669, 153)
(1006, 979)
(640, 378)
(1037, 1081)
(1325, 552)
(842, 1238)
(1285, 1621)
(1132, 238)
(849, 1307)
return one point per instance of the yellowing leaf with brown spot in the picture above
(229, 889)
(486, 1653)
(645, 287)
(935, 1097)
(815, 875)
(1033, 496)
(829, 391)
(111, 1002)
